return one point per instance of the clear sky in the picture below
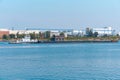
(59, 13)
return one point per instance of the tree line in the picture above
(46, 35)
(33, 35)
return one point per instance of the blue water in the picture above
(83, 61)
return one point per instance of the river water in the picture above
(79, 61)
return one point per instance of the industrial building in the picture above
(104, 31)
(3, 32)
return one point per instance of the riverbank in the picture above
(73, 41)
(65, 40)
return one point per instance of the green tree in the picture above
(17, 34)
(117, 35)
(40, 35)
(20, 35)
(5, 37)
(90, 33)
(12, 36)
(62, 34)
(95, 34)
(47, 34)
(37, 36)
(33, 35)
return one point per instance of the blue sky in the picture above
(59, 13)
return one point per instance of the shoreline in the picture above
(81, 41)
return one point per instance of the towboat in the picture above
(26, 39)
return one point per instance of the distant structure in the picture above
(104, 31)
(78, 33)
(89, 32)
(3, 32)
(23, 31)
(43, 33)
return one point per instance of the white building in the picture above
(16, 31)
(24, 31)
(77, 32)
(104, 30)
(54, 32)
(4, 30)
(65, 34)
